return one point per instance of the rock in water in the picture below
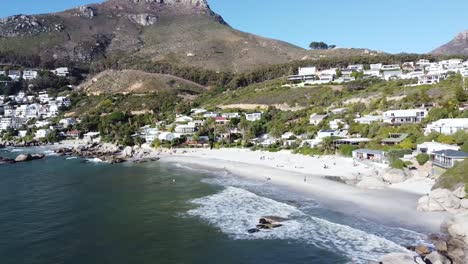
(23, 158)
(6, 161)
(401, 258)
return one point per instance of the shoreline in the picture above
(392, 206)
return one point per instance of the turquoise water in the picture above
(73, 211)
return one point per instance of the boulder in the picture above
(394, 176)
(464, 203)
(437, 258)
(422, 250)
(127, 152)
(6, 161)
(460, 192)
(456, 229)
(23, 158)
(37, 156)
(371, 183)
(439, 200)
(439, 242)
(401, 258)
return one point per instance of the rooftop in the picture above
(451, 153)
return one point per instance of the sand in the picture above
(395, 205)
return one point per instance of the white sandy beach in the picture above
(395, 205)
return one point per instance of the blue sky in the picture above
(391, 26)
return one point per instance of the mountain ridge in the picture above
(457, 46)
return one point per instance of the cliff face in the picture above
(458, 46)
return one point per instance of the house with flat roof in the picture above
(447, 126)
(378, 156)
(394, 139)
(448, 158)
(407, 116)
(431, 147)
(368, 119)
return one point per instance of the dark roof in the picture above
(451, 153)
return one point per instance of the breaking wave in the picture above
(236, 210)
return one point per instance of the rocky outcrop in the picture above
(443, 200)
(86, 11)
(394, 176)
(6, 161)
(109, 153)
(28, 157)
(456, 229)
(144, 19)
(401, 258)
(23, 25)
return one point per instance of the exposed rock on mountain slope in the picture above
(183, 32)
(458, 46)
(137, 82)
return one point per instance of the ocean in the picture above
(63, 210)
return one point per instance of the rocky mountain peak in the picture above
(201, 4)
(463, 36)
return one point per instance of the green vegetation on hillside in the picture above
(453, 177)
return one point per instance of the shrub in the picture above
(347, 150)
(422, 158)
(464, 147)
(398, 154)
(398, 164)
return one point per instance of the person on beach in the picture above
(305, 178)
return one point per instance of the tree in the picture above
(315, 45)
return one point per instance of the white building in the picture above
(331, 133)
(29, 74)
(391, 67)
(338, 124)
(62, 72)
(404, 116)
(447, 126)
(376, 66)
(43, 97)
(12, 122)
(431, 147)
(210, 114)
(184, 129)
(253, 117)
(197, 111)
(368, 119)
(392, 75)
(230, 115)
(304, 74)
(183, 119)
(14, 75)
(196, 123)
(42, 133)
(67, 122)
(430, 78)
(166, 136)
(307, 71)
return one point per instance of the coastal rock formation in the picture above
(443, 200)
(456, 229)
(394, 176)
(109, 153)
(6, 161)
(28, 157)
(371, 183)
(401, 258)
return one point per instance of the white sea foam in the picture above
(71, 158)
(95, 160)
(235, 210)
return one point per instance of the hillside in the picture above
(181, 32)
(137, 82)
(458, 46)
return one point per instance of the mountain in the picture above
(183, 32)
(458, 46)
(138, 82)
